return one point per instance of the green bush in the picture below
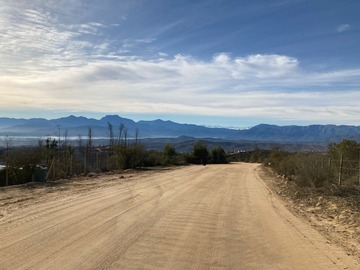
(218, 156)
(312, 171)
(199, 154)
(281, 162)
(129, 157)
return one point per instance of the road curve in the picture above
(197, 217)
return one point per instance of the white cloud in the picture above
(222, 58)
(130, 42)
(343, 28)
(91, 28)
(257, 85)
(47, 65)
(263, 66)
(34, 40)
(162, 54)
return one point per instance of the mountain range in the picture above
(75, 126)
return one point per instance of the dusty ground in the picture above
(334, 211)
(196, 217)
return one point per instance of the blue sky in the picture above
(214, 62)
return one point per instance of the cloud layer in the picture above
(49, 65)
(256, 85)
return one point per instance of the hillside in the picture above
(161, 129)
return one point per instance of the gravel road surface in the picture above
(196, 217)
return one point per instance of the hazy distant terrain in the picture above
(75, 126)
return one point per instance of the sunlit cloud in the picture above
(47, 64)
(254, 85)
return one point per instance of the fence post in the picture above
(49, 171)
(85, 162)
(359, 167)
(71, 165)
(6, 175)
(107, 162)
(54, 168)
(340, 169)
(329, 170)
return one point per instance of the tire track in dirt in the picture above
(69, 216)
(197, 217)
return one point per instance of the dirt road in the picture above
(198, 217)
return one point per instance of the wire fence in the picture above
(345, 171)
(319, 169)
(65, 163)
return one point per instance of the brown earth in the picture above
(196, 217)
(333, 211)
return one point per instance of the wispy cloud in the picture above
(91, 28)
(49, 64)
(343, 28)
(35, 40)
(129, 43)
(257, 85)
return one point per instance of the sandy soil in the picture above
(196, 217)
(333, 211)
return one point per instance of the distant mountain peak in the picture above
(79, 125)
(113, 117)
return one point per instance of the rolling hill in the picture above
(167, 129)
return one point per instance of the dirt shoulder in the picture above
(334, 212)
(20, 196)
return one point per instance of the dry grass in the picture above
(333, 211)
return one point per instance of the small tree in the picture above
(218, 156)
(89, 148)
(7, 143)
(168, 154)
(281, 162)
(257, 156)
(90, 138)
(130, 156)
(111, 134)
(200, 153)
(121, 133)
(344, 158)
(348, 148)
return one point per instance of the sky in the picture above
(231, 63)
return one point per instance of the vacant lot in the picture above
(197, 217)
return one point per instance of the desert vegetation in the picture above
(338, 166)
(324, 187)
(59, 157)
